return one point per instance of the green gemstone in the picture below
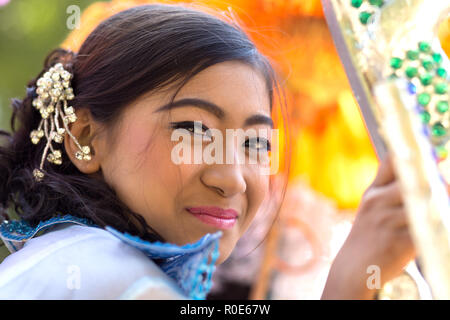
(438, 130)
(441, 72)
(437, 57)
(378, 3)
(396, 63)
(412, 54)
(364, 17)
(424, 99)
(427, 64)
(411, 72)
(426, 79)
(441, 88)
(356, 3)
(424, 46)
(442, 106)
(425, 116)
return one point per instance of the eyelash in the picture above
(265, 143)
(189, 125)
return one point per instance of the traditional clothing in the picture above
(75, 259)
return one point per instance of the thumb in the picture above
(386, 173)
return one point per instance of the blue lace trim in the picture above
(15, 233)
(191, 265)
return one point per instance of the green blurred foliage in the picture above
(29, 30)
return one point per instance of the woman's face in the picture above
(185, 201)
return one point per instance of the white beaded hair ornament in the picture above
(54, 90)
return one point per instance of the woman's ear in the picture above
(83, 129)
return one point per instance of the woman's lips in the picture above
(215, 216)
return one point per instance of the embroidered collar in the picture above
(191, 265)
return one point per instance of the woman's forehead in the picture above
(237, 89)
(234, 86)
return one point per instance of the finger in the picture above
(405, 231)
(384, 197)
(396, 218)
(392, 194)
(405, 237)
(400, 219)
(385, 172)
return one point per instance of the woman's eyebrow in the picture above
(214, 109)
(258, 119)
(203, 104)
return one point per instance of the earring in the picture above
(54, 90)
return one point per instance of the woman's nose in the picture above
(225, 179)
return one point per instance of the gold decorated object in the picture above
(400, 77)
(408, 286)
(54, 90)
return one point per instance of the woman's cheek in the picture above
(257, 194)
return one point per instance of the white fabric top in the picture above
(80, 262)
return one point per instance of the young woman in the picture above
(114, 214)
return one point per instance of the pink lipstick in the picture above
(215, 216)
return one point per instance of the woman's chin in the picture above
(225, 248)
(221, 259)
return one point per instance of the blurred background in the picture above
(332, 159)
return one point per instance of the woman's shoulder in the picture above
(78, 262)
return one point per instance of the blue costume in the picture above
(72, 258)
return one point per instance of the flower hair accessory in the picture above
(54, 90)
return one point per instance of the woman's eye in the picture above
(191, 126)
(258, 144)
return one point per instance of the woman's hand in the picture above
(379, 240)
